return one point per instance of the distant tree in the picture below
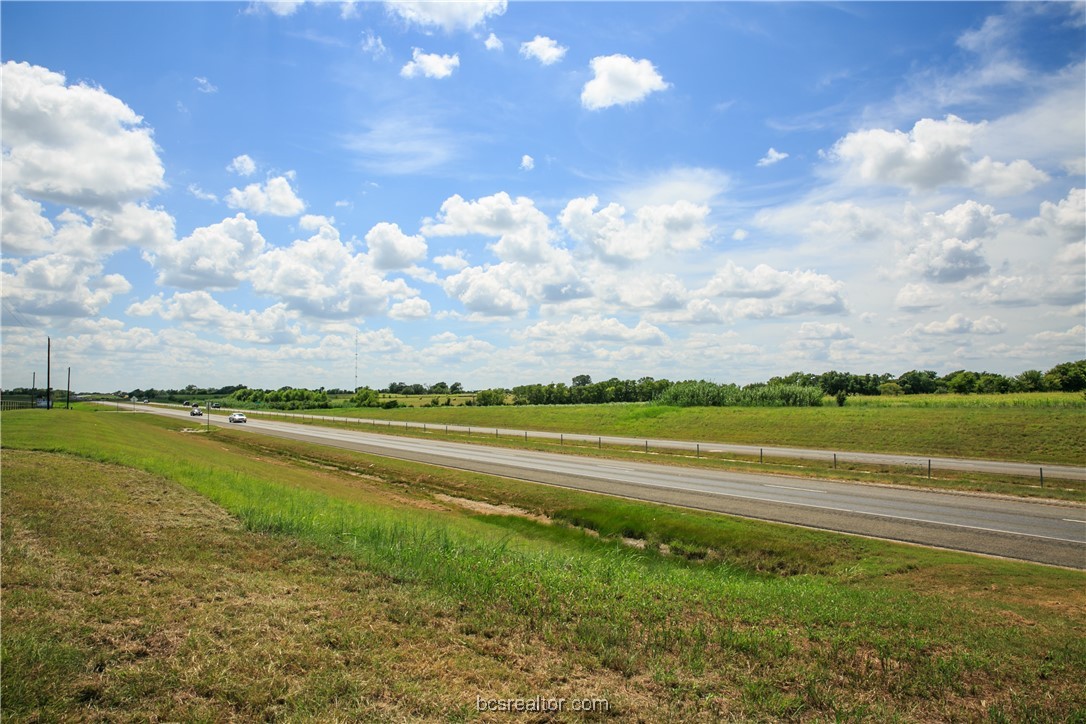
(989, 383)
(487, 398)
(439, 388)
(890, 388)
(1030, 381)
(365, 397)
(456, 388)
(961, 382)
(1067, 377)
(915, 382)
(582, 381)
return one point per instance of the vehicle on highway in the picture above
(196, 412)
(237, 417)
(215, 405)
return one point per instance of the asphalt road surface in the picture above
(1043, 532)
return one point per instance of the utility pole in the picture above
(355, 362)
(34, 390)
(49, 373)
(68, 399)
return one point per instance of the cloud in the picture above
(25, 230)
(916, 298)
(413, 308)
(947, 260)
(204, 85)
(959, 324)
(765, 292)
(932, 155)
(527, 163)
(819, 330)
(546, 50)
(452, 262)
(1065, 220)
(73, 144)
(390, 248)
(275, 197)
(274, 325)
(523, 231)
(60, 286)
(595, 328)
(430, 65)
(701, 186)
(321, 278)
(374, 46)
(489, 291)
(404, 145)
(212, 257)
(282, 8)
(242, 165)
(771, 157)
(680, 226)
(620, 80)
(493, 42)
(199, 193)
(449, 16)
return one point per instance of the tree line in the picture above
(795, 389)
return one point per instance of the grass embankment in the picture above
(344, 586)
(1041, 427)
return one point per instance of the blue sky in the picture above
(221, 193)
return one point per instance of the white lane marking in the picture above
(792, 487)
(1072, 520)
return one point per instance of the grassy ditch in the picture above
(224, 575)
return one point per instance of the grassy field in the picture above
(151, 572)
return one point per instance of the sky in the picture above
(324, 194)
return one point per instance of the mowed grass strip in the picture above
(1045, 428)
(886, 631)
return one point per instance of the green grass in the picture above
(1040, 427)
(344, 577)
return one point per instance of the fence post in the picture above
(1042, 476)
(835, 461)
(697, 448)
(761, 457)
(599, 444)
(929, 468)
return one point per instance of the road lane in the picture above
(1046, 532)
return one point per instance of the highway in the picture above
(1049, 471)
(1039, 531)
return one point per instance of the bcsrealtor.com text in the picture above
(541, 704)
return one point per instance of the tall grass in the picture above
(710, 394)
(890, 648)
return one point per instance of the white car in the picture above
(237, 417)
(196, 412)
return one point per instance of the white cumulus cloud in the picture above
(620, 80)
(932, 154)
(430, 65)
(73, 144)
(390, 248)
(276, 197)
(680, 226)
(212, 257)
(449, 16)
(546, 50)
(242, 165)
